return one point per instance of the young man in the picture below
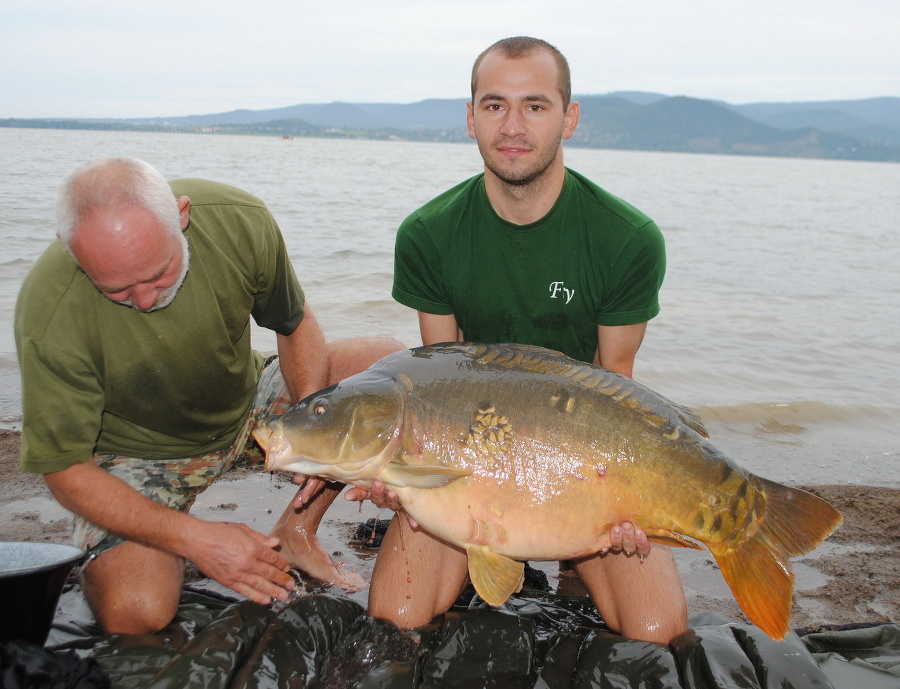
(140, 386)
(531, 252)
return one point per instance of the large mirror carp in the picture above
(515, 452)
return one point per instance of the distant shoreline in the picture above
(863, 130)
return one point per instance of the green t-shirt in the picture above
(592, 260)
(103, 378)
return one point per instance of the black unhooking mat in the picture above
(544, 641)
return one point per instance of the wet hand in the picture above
(244, 560)
(310, 487)
(628, 539)
(380, 495)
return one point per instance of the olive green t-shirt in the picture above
(102, 378)
(592, 260)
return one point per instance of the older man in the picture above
(140, 386)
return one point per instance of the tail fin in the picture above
(759, 570)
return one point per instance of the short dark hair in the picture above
(524, 46)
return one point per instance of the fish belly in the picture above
(573, 521)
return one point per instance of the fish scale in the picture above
(514, 452)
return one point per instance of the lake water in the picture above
(780, 314)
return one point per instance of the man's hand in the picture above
(233, 554)
(628, 539)
(381, 496)
(310, 486)
(242, 559)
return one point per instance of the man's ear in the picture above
(184, 210)
(573, 114)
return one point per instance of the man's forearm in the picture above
(303, 358)
(102, 499)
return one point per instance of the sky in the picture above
(99, 58)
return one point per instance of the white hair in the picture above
(112, 183)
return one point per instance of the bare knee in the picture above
(416, 576)
(350, 356)
(127, 597)
(659, 627)
(640, 600)
(134, 615)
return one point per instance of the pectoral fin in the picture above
(495, 577)
(670, 538)
(662, 536)
(420, 476)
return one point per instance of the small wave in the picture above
(17, 262)
(361, 281)
(368, 255)
(796, 417)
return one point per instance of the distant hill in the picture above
(872, 119)
(855, 130)
(427, 114)
(701, 126)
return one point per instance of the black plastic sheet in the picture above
(546, 641)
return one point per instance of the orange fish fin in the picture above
(762, 581)
(797, 519)
(670, 538)
(494, 576)
(759, 570)
(420, 476)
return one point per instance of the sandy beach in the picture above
(853, 578)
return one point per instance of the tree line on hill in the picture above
(852, 130)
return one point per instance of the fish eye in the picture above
(319, 407)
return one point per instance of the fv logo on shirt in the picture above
(558, 290)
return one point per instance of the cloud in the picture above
(99, 58)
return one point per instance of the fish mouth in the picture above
(273, 444)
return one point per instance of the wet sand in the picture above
(854, 577)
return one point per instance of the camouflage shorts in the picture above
(176, 483)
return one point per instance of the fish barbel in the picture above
(515, 452)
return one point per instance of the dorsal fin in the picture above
(656, 409)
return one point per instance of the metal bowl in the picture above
(31, 580)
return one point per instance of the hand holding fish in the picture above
(310, 486)
(628, 539)
(381, 496)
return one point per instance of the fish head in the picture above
(346, 432)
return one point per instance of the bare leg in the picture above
(416, 576)
(133, 589)
(296, 529)
(640, 600)
(354, 354)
